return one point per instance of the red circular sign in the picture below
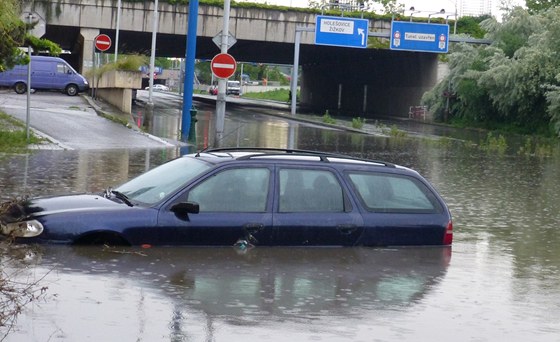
(223, 65)
(102, 42)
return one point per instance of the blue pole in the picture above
(189, 69)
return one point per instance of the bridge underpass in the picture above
(345, 81)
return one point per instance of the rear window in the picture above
(391, 193)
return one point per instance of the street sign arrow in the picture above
(339, 31)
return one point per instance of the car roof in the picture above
(221, 155)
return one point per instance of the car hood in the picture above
(36, 207)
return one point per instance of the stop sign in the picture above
(102, 42)
(223, 65)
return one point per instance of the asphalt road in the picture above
(70, 122)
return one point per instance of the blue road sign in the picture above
(419, 37)
(339, 31)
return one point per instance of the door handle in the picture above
(252, 228)
(347, 229)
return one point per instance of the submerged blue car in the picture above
(248, 197)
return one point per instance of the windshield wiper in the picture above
(122, 197)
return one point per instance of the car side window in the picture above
(303, 190)
(385, 192)
(233, 190)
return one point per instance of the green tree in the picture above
(471, 26)
(14, 33)
(512, 82)
(163, 62)
(535, 6)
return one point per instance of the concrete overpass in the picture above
(354, 82)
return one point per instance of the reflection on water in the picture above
(56, 172)
(503, 282)
(262, 287)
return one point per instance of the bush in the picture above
(328, 119)
(358, 122)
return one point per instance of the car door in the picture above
(42, 74)
(399, 210)
(235, 207)
(313, 209)
(63, 76)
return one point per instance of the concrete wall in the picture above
(245, 23)
(121, 79)
(115, 87)
(118, 97)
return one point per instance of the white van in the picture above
(50, 73)
(233, 87)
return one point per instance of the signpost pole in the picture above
(28, 108)
(221, 98)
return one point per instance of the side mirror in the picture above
(186, 208)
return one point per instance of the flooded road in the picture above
(500, 280)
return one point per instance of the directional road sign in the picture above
(223, 65)
(102, 42)
(339, 31)
(419, 37)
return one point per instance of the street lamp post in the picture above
(118, 29)
(455, 25)
(412, 12)
(442, 11)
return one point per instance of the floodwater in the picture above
(499, 282)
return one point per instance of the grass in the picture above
(282, 95)
(358, 122)
(328, 119)
(494, 144)
(13, 135)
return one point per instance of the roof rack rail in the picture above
(281, 151)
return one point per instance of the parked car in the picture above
(233, 88)
(243, 197)
(50, 73)
(213, 90)
(158, 87)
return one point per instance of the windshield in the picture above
(158, 183)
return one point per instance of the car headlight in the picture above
(29, 228)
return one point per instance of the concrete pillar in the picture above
(88, 36)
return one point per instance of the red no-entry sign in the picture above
(102, 42)
(223, 65)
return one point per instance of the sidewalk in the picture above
(112, 113)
